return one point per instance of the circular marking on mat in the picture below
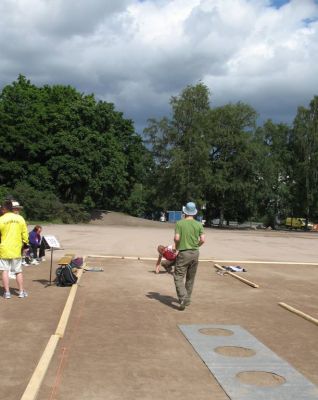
(260, 378)
(216, 332)
(235, 351)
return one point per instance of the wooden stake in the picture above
(299, 313)
(254, 285)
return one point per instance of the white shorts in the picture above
(13, 265)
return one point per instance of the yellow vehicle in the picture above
(298, 223)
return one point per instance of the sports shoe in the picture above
(187, 302)
(23, 294)
(34, 262)
(12, 275)
(7, 295)
(43, 259)
(182, 305)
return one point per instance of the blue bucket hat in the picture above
(189, 209)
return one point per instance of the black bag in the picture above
(65, 276)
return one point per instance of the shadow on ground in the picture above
(167, 300)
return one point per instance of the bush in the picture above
(44, 205)
(38, 205)
(74, 213)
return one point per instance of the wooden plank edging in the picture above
(34, 385)
(299, 313)
(250, 283)
(38, 375)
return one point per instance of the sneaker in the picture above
(12, 275)
(182, 305)
(24, 262)
(23, 294)
(34, 262)
(187, 302)
(43, 259)
(7, 295)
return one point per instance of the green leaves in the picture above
(55, 139)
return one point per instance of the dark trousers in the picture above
(34, 250)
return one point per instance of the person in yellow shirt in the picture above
(13, 233)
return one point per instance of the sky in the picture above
(137, 54)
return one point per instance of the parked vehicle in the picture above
(298, 223)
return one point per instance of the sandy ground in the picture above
(123, 340)
(117, 234)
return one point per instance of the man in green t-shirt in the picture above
(189, 236)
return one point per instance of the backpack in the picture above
(65, 276)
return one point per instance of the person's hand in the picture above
(157, 268)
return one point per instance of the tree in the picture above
(57, 140)
(273, 196)
(304, 145)
(231, 182)
(179, 149)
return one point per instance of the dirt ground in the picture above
(123, 341)
(117, 234)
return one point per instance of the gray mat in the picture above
(225, 368)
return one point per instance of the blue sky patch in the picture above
(278, 3)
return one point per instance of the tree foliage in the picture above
(64, 153)
(304, 146)
(57, 140)
(219, 158)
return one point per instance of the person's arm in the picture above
(31, 237)
(176, 239)
(158, 263)
(201, 239)
(24, 233)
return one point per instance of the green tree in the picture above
(304, 145)
(179, 149)
(57, 140)
(273, 195)
(231, 182)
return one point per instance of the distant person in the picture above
(189, 236)
(14, 234)
(162, 217)
(37, 245)
(169, 254)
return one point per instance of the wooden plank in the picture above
(36, 380)
(299, 313)
(66, 259)
(250, 283)
(60, 330)
(237, 262)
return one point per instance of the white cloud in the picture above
(137, 54)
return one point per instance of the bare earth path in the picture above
(123, 342)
